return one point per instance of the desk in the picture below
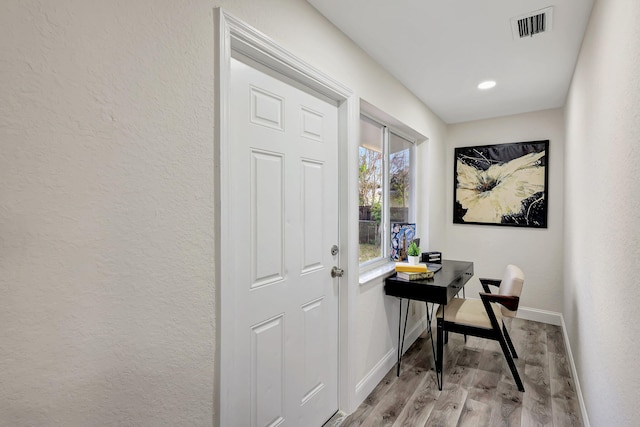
(444, 285)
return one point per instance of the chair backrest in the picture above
(511, 284)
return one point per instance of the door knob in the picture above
(336, 272)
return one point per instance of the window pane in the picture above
(400, 190)
(370, 189)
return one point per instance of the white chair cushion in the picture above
(511, 284)
(469, 312)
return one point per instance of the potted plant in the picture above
(413, 253)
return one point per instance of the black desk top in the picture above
(444, 285)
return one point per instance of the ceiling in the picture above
(442, 49)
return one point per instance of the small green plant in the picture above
(413, 249)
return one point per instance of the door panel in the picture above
(267, 218)
(311, 179)
(283, 174)
(267, 372)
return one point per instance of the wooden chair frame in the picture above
(496, 332)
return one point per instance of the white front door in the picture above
(283, 174)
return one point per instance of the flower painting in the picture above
(504, 184)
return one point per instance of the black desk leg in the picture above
(440, 336)
(401, 344)
(399, 354)
(429, 319)
(465, 335)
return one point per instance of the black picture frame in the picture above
(502, 184)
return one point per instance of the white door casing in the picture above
(234, 38)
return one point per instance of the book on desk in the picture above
(414, 276)
(418, 268)
(420, 271)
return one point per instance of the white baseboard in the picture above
(374, 376)
(574, 374)
(543, 316)
(366, 385)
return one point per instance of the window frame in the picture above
(385, 241)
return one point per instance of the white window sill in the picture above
(379, 271)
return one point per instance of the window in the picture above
(386, 185)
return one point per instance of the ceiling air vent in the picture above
(537, 22)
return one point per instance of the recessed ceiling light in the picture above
(487, 84)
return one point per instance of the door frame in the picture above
(233, 36)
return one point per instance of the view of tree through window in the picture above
(385, 178)
(370, 189)
(399, 178)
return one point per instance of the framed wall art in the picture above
(401, 237)
(502, 184)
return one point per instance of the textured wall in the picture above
(539, 252)
(602, 205)
(106, 253)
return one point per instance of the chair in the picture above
(484, 318)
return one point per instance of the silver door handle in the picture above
(336, 272)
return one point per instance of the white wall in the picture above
(537, 251)
(106, 293)
(602, 206)
(106, 126)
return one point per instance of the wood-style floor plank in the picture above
(507, 407)
(564, 404)
(536, 401)
(357, 418)
(555, 341)
(475, 414)
(484, 386)
(391, 405)
(419, 407)
(448, 407)
(478, 386)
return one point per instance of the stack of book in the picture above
(408, 271)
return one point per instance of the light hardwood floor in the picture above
(478, 387)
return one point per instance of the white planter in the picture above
(414, 260)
